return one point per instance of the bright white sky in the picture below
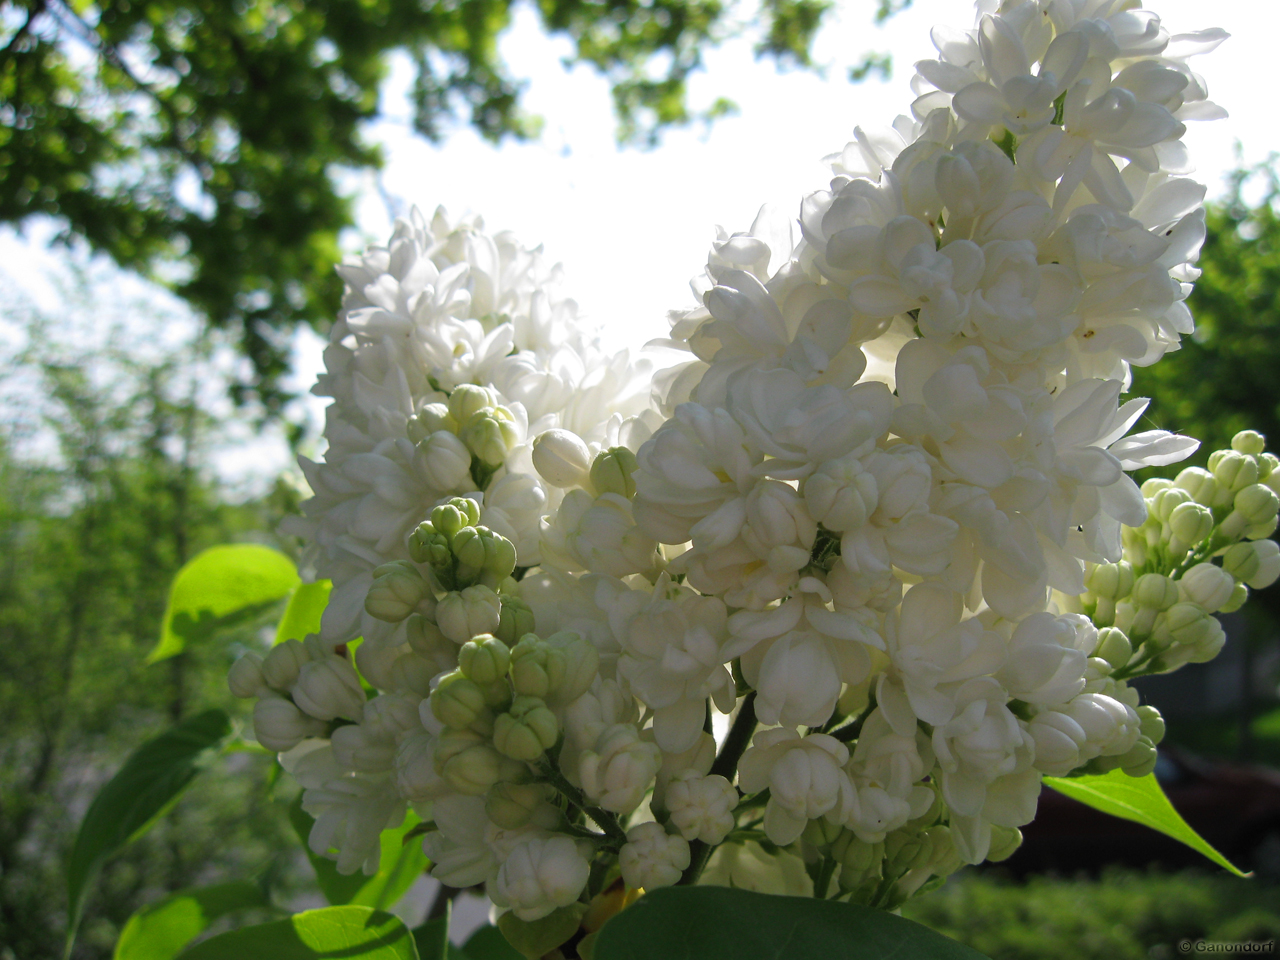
(632, 227)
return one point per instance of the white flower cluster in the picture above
(879, 516)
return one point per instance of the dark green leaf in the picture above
(302, 615)
(159, 931)
(130, 802)
(334, 933)
(432, 938)
(401, 864)
(721, 923)
(219, 587)
(488, 943)
(1141, 800)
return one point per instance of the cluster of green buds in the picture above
(470, 435)
(918, 855)
(460, 551)
(1202, 547)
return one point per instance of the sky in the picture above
(632, 226)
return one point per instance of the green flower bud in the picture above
(1260, 531)
(454, 514)
(582, 662)
(859, 861)
(1113, 647)
(1234, 471)
(1257, 503)
(489, 434)
(483, 555)
(1141, 758)
(416, 430)
(1200, 483)
(1189, 624)
(821, 833)
(906, 850)
(1154, 591)
(457, 701)
(516, 620)
(1153, 486)
(484, 659)
(1268, 464)
(612, 471)
(468, 399)
(1238, 597)
(1249, 442)
(1004, 841)
(563, 665)
(468, 613)
(946, 858)
(512, 805)
(426, 640)
(435, 417)
(397, 591)
(474, 770)
(1257, 562)
(1190, 523)
(428, 546)
(1152, 723)
(526, 731)
(1111, 580)
(1162, 505)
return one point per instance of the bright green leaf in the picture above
(160, 930)
(219, 587)
(401, 864)
(488, 943)
(349, 933)
(722, 923)
(130, 802)
(302, 615)
(1141, 800)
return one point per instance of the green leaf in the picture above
(302, 615)
(160, 930)
(488, 943)
(349, 933)
(1141, 800)
(722, 923)
(401, 864)
(219, 587)
(128, 804)
(432, 938)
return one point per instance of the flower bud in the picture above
(859, 861)
(433, 417)
(1162, 505)
(281, 664)
(467, 399)
(540, 875)
(526, 731)
(1268, 464)
(329, 688)
(483, 555)
(280, 726)
(457, 701)
(1257, 562)
(1113, 647)
(1154, 591)
(245, 677)
(701, 807)
(563, 666)
(1249, 442)
(561, 458)
(907, 850)
(444, 460)
(515, 620)
(1253, 505)
(1004, 842)
(416, 429)
(1208, 585)
(1140, 758)
(489, 434)
(1200, 483)
(416, 776)
(397, 590)
(1152, 723)
(1190, 523)
(1232, 470)
(450, 517)
(619, 771)
(1058, 739)
(946, 858)
(1238, 597)
(1154, 486)
(512, 805)
(464, 614)
(472, 770)
(1113, 581)
(426, 640)
(841, 494)
(427, 545)
(612, 470)
(359, 748)
(484, 659)
(651, 857)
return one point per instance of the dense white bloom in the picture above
(651, 857)
(619, 770)
(540, 875)
(701, 807)
(805, 778)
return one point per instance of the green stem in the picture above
(824, 878)
(606, 821)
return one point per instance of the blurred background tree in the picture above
(210, 133)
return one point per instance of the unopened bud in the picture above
(1141, 758)
(458, 512)
(1256, 504)
(1154, 486)
(457, 701)
(397, 590)
(515, 620)
(433, 417)
(563, 665)
(1208, 585)
(1152, 723)
(1190, 523)
(1004, 842)
(1200, 483)
(483, 555)
(1154, 591)
(464, 614)
(489, 434)
(281, 664)
(245, 678)
(906, 850)
(1249, 442)
(561, 458)
(612, 472)
(512, 805)
(444, 460)
(484, 659)
(1256, 562)
(468, 399)
(1238, 597)
(1268, 464)
(1234, 471)
(1162, 505)
(1111, 580)
(946, 858)
(427, 545)
(526, 731)
(820, 833)
(1113, 647)
(651, 857)
(280, 726)
(859, 860)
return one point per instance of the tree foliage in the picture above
(210, 131)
